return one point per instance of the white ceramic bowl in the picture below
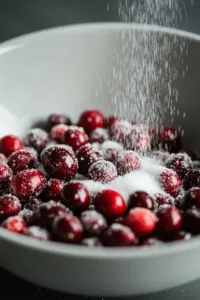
(71, 69)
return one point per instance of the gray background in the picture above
(18, 17)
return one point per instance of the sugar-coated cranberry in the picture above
(180, 163)
(27, 184)
(53, 190)
(60, 162)
(56, 119)
(143, 142)
(3, 158)
(170, 182)
(169, 220)
(36, 138)
(91, 242)
(142, 221)
(127, 161)
(120, 131)
(151, 242)
(5, 176)
(26, 215)
(68, 228)
(110, 203)
(191, 221)
(163, 198)
(192, 179)
(57, 132)
(94, 223)
(99, 135)
(37, 233)
(90, 120)
(33, 204)
(141, 199)
(170, 139)
(160, 155)
(9, 206)
(15, 224)
(119, 235)
(10, 144)
(192, 198)
(111, 149)
(76, 196)
(109, 121)
(22, 160)
(75, 137)
(182, 236)
(102, 171)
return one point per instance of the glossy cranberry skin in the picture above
(170, 140)
(102, 171)
(15, 224)
(162, 199)
(110, 203)
(60, 162)
(141, 199)
(120, 131)
(5, 176)
(10, 144)
(151, 242)
(76, 196)
(22, 160)
(57, 132)
(191, 221)
(53, 190)
(37, 233)
(109, 121)
(192, 198)
(56, 119)
(127, 161)
(182, 236)
(9, 206)
(169, 220)
(27, 184)
(3, 159)
(36, 138)
(192, 179)
(99, 135)
(67, 228)
(91, 242)
(94, 223)
(119, 235)
(142, 221)
(33, 204)
(170, 182)
(180, 163)
(90, 120)
(75, 137)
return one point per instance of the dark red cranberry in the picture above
(91, 242)
(170, 182)
(162, 199)
(5, 176)
(109, 121)
(26, 215)
(9, 206)
(110, 203)
(22, 160)
(3, 159)
(94, 223)
(191, 221)
(192, 179)
(57, 132)
(141, 199)
(179, 201)
(102, 171)
(111, 150)
(75, 137)
(99, 135)
(180, 163)
(10, 144)
(53, 190)
(33, 204)
(90, 120)
(28, 184)
(151, 242)
(182, 236)
(170, 140)
(15, 224)
(76, 196)
(119, 235)
(192, 198)
(169, 220)
(127, 161)
(36, 138)
(60, 162)
(68, 228)
(56, 119)
(142, 221)
(37, 233)
(120, 131)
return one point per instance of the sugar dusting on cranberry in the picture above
(93, 222)
(56, 119)
(170, 182)
(111, 149)
(15, 224)
(5, 176)
(37, 233)
(181, 163)
(22, 160)
(127, 161)
(36, 138)
(9, 206)
(91, 242)
(57, 132)
(120, 131)
(102, 171)
(192, 179)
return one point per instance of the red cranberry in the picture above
(91, 242)
(10, 144)
(37, 233)
(27, 216)
(143, 142)
(36, 138)
(110, 203)
(151, 242)
(9, 206)
(182, 236)
(76, 196)
(192, 179)
(57, 132)
(27, 184)
(68, 228)
(141, 199)
(102, 171)
(53, 190)
(119, 235)
(170, 182)
(75, 137)
(170, 140)
(5, 176)
(169, 220)
(3, 159)
(162, 199)
(99, 135)
(94, 223)
(191, 221)
(56, 119)
(120, 131)
(180, 163)
(142, 221)
(192, 198)
(22, 160)
(15, 224)
(127, 161)
(90, 120)
(109, 121)
(60, 162)
(160, 155)
(111, 149)
(33, 204)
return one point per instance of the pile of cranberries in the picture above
(42, 192)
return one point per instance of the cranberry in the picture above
(142, 221)
(27, 184)
(5, 176)
(102, 171)
(87, 155)
(3, 159)
(27, 216)
(192, 179)
(141, 199)
(33, 204)
(179, 201)
(180, 163)
(60, 162)
(36, 138)
(76, 196)
(127, 161)
(90, 120)
(109, 121)
(9, 206)
(182, 236)
(91, 242)
(22, 160)
(37, 233)
(151, 242)
(68, 228)
(111, 149)
(143, 142)
(32, 150)
(170, 182)
(191, 221)
(120, 131)
(99, 135)
(119, 235)
(10, 144)
(192, 198)
(170, 140)
(15, 224)
(53, 190)
(57, 132)
(94, 223)
(169, 220)
(162, 199)
(110, 203)
(160, 155)
(75, 137)
(56, 119)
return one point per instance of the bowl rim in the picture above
(78, 250)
